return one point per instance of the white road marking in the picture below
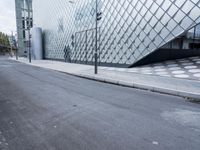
(182, 76)
(155, 143)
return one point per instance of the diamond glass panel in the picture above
(127, 32)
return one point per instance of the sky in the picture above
(7, 16)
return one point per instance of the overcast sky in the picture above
(7, 16)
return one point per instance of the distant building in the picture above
(24, 18)
(12, 41)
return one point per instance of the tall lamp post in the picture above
(96, 40)
(29, 26)
(16, 46)
(11, 42)
(97, 18)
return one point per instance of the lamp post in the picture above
(96, 41)
(97, 18)
(11, 42)
(14, 43)
(16, 46)
(29, 26)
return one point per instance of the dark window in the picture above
(23, 24)
(24, 34)
(31, 23)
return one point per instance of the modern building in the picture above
(130, 32)
(24, 19)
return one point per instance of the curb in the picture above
(193, 96)
(182, 94)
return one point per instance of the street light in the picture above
(11, 42)
(29, 26)
(96, 42)
(16, 46)
(97, 18)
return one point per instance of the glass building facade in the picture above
(128, 31)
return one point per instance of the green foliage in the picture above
(4, 40)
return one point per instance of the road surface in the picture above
(46, 110)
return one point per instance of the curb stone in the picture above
(145, 87)
(142, 87)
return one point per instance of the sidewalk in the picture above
(168, 85)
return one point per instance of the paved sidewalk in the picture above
(186, 68)
(168, 85)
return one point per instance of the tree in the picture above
(4, 39)
(4, 42)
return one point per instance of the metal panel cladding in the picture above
(128, 31)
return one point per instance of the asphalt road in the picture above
(46, 110)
